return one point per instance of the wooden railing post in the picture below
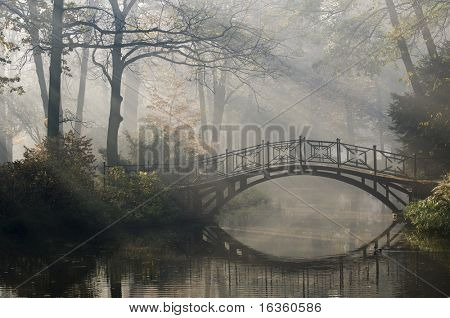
(338, 154)
(375, 167)
(304, 150)
(268, 154)
(263, 156)
(300, 149)
(375, 160)
(226, 161)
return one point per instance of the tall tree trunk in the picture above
(115, 118)
(202, 100)
(6, 137)
(61, 118)
(404, 51)
(3, 134)
(9, 118)
(219, 97)
(37, 53)
(9, 144)
(83, 78)
(201, 96)
(82, 91)
(54, 103)
(3, 125)
(426, 34)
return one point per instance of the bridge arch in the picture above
(389, 177)
(211, 197)
(226, 242)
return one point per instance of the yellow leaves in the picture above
(143, 174)
(170, 101)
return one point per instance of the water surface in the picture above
(184, 262)
(281, 248)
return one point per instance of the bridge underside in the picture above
(208, 197)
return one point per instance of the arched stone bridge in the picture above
(390, 177)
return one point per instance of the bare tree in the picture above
(404, 51)
(31, 17)
(426, 33)
(189, 34)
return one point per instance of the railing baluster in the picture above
(300, 149)
(375, 160)
(375, 167)
(263, 163)
(226, 161)
(338, 154)
(285, 153)
(304, 149)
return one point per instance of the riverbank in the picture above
(432, 215)
(61, 194)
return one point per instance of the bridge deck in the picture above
(297, 169)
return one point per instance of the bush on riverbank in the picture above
(433, 213)
(126, 191)
(51, 192)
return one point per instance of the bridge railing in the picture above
(303, 152)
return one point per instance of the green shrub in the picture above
(126, 191)
(50, 189)
(55, 190)
(433, 213)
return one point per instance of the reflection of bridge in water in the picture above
(391, 178)
(231, 247)
(184, 264)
